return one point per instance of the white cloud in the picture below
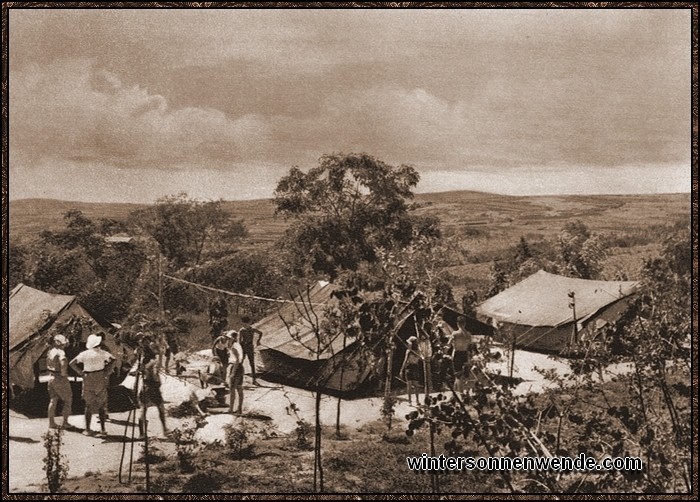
(71, 110)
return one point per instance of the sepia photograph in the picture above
(360, 250)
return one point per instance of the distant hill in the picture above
(500, 214)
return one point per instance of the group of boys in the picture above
(229, 350)
(95, 365)
(452, 353)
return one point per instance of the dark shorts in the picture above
(461, 358)
(172, 348)
(59, 388)
(222, 354)
(412, 372)
(95, 390)
(150, 395)
(237, 379)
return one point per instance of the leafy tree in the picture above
(643, 412)
(80, 233)
(251, 274)
(59, 271)
(182, 226)
(110, 226)
(76, 260)
(498, 278)
(522, 251)
(18, 263)
(469, 301)
(347, 207)
(580, 252)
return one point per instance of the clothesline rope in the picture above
(240, 295)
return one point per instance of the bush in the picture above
(239, 439)
(165, 484)
(303, 431)
(396, 438)
(55, 463)
(203, 482)
(155, 455)
(388, 409)
(187, 446)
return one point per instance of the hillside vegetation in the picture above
(480, 227)
(475, 214)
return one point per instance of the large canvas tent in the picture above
(538, 312)
(341, 365)
(32, 313)
(294, 358)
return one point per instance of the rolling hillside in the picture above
(499, 216)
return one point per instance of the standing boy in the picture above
(235, 371)
(95, 365)
(58, 385)
(247, 333)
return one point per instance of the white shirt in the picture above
(93, 359)
(56, 360)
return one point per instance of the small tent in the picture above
(31, 315)
(547, 312)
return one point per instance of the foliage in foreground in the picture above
(647, 415)
(55, 463)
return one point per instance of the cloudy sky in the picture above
(131, 105)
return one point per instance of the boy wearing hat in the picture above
(95, 365)
(58, 384)
(220, 349)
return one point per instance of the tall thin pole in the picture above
(160, 286)
(572, 306)
(512, 352)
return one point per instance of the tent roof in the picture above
(27, 311)
(542, 299)
(276, 333)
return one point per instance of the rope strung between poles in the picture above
(239, 295)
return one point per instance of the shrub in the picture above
(239, 439)
(186, 445)
(165, 484)
(55, 463)
(303, 431)
(398, 438)
(388, 409)
(203, 482)
(155, 456)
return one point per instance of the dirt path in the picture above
(269, 402)
(92, 454)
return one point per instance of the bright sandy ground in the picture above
(92, 454)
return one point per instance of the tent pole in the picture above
(512, 352)
(160, 285)
(572, 306)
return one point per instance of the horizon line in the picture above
(481, 192)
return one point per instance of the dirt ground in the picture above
(89, 455)
(274, 404)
